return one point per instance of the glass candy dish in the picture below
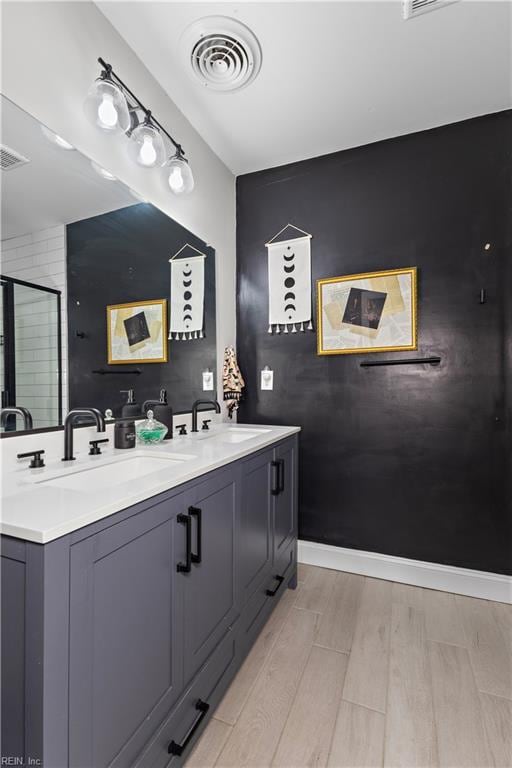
(150, 430)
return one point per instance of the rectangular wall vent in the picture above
(413, 8)
(10, 159)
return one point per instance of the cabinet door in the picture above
(125, 670)
(13, 604)
(285, 503)
(256, 523)
(209, 591)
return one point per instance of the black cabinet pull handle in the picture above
(278, 479)
(281, 475)
(178, 749)
(272, 592)
(275, 478)
(186, 567)
(197, 513)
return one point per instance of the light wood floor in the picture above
(352, 671)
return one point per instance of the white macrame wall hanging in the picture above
(187, 295)
(289, 283)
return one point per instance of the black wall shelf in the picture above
(408, 361)
(104, 371)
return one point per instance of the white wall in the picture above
(39, 257)
(49, 53)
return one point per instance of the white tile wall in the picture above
(39, 257)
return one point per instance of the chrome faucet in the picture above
(213, 405)
(17, 411)
(69, 424)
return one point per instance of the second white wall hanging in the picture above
(289, 282)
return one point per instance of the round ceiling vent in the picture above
(221, 53)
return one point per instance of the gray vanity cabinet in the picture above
(285, 504)
(13, 583)
(151, 598)
(119, 639)
(268, 533)
(125, 648)
(256, 523)
(209, 592)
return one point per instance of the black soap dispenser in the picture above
(130, 408)
(162, 411)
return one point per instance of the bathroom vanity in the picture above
(134, 580)
(133, 586)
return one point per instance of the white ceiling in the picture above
(335, 74)
(57, 186)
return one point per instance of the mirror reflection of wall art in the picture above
(137, 332)
(187, 295)
(370, 312)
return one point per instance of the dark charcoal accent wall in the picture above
(120, 257)
(411, 461)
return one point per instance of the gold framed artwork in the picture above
(137, 332)
(369, 312)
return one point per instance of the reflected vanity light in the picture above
(111, 106)
(54, 138)
(102, 172)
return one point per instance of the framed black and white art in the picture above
(137, 332)
(368, 312)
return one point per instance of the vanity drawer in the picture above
(285, 560)
(261, 604)
(188, 717)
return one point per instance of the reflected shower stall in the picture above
(30, 351)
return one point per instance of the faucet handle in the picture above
(182, 429)
(205, 424)
(95, 449)
(37, 462)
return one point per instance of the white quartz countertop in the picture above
(43, 504)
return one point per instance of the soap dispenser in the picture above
(162, 411)
(130, 408)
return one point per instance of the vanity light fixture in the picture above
(55, 138)
(146, 145)
(180, 178)
(106, 105)
(113, 107)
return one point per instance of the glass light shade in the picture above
(146, 146)
(106, 106)
(55, 138)
(180, 178)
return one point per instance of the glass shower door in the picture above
(30, 365)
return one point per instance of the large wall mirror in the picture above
(86, 287)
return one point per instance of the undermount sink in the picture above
(237, 434)
(113, 472)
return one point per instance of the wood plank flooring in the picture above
(356, 672)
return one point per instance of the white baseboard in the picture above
(446, 578)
